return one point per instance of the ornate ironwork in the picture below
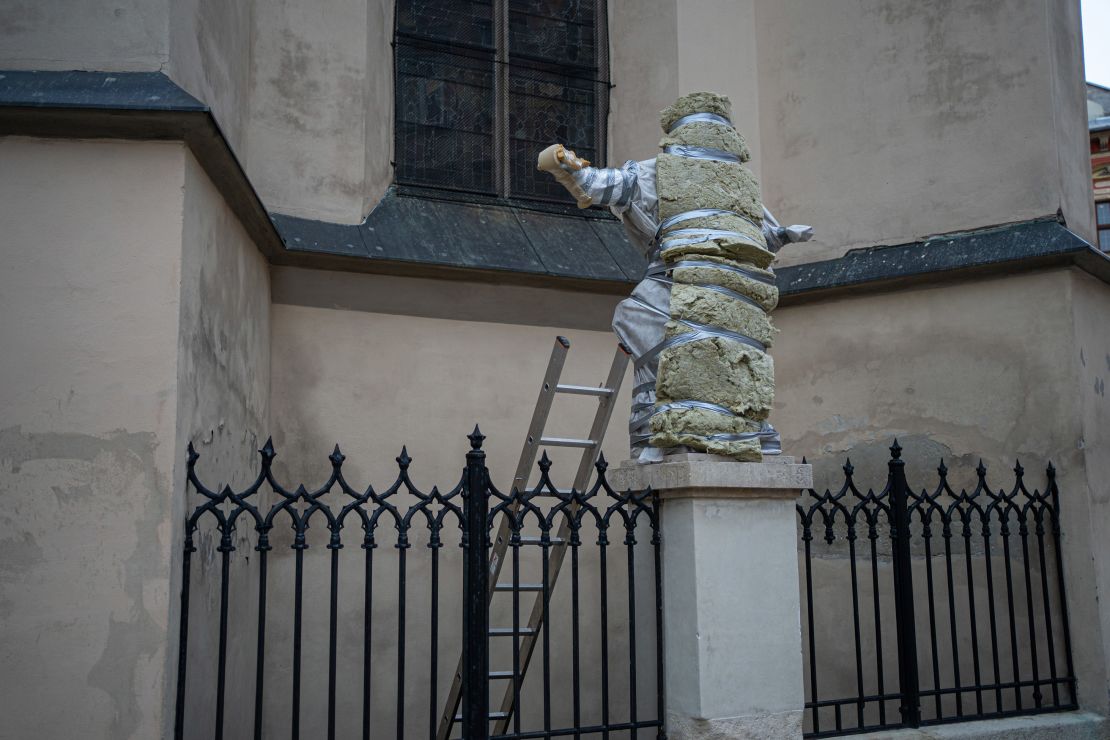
(475, 508)
(1026, 656)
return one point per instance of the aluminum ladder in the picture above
(606, 395)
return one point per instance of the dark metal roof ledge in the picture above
(419, 233)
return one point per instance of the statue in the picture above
(698, 324)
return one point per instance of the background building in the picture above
(1098, 120)
(317, 220)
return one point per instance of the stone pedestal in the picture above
(731, 606)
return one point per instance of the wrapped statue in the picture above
(698, 324)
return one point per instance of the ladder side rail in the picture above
(558, 551)
(501, 541)
(528, 453)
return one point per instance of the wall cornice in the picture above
(443, 236)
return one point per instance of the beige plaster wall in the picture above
(121, 35)
(885, 122)
(717, 43)
(210, 56)
(137, 320)
(960, 372)
(929, 117)
(1090, 362)
(314, 104)
(665, 48)
(223, 395)
(378, 106)
(92, 245)
(372, 382)
(978, 363)
(643, 68)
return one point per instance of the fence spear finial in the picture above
(602, 464)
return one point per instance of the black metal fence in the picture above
(953, 609)
(597, 638)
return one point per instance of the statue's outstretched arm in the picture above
(590, 186)
(778, 236)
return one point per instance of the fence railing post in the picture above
(475, 685)
(908, 682)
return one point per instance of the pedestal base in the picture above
(731, 606)
(752, 727)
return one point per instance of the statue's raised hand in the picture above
(561, 163)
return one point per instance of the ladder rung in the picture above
(509, 631)
(567, 442)
(536, 540)
(605, 393)
(520, 587)
(492, 716)
(583, 390)
(547, 493)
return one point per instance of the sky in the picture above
(1096, 40)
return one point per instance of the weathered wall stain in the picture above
(19, 552)
(109, 468)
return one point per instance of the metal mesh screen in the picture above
(467, 22)
(444, 119)
(482, 86)
(547, 107)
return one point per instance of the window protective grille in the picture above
(481, 87)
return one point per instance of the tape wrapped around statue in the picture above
(708, 135)
(735, 239)
(719, 307)
(707, 430)
(716, 370)
(687, 183)
(746, 280)
(692, 104)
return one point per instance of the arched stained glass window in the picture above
(482, 86)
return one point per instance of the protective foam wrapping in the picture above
(718, 371)
(705, 305)
(711, 135)
(701, 428)
(686, 184)
(715, 380)
(714, 270)
(696, 102)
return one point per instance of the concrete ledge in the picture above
(1062, 726)
(710, 476)
(751, 727)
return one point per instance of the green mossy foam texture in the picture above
(707, 306)
(695, 102)
(716, 370)
(711, 136)
(691, 427)
(687, 184)
(760, 292)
